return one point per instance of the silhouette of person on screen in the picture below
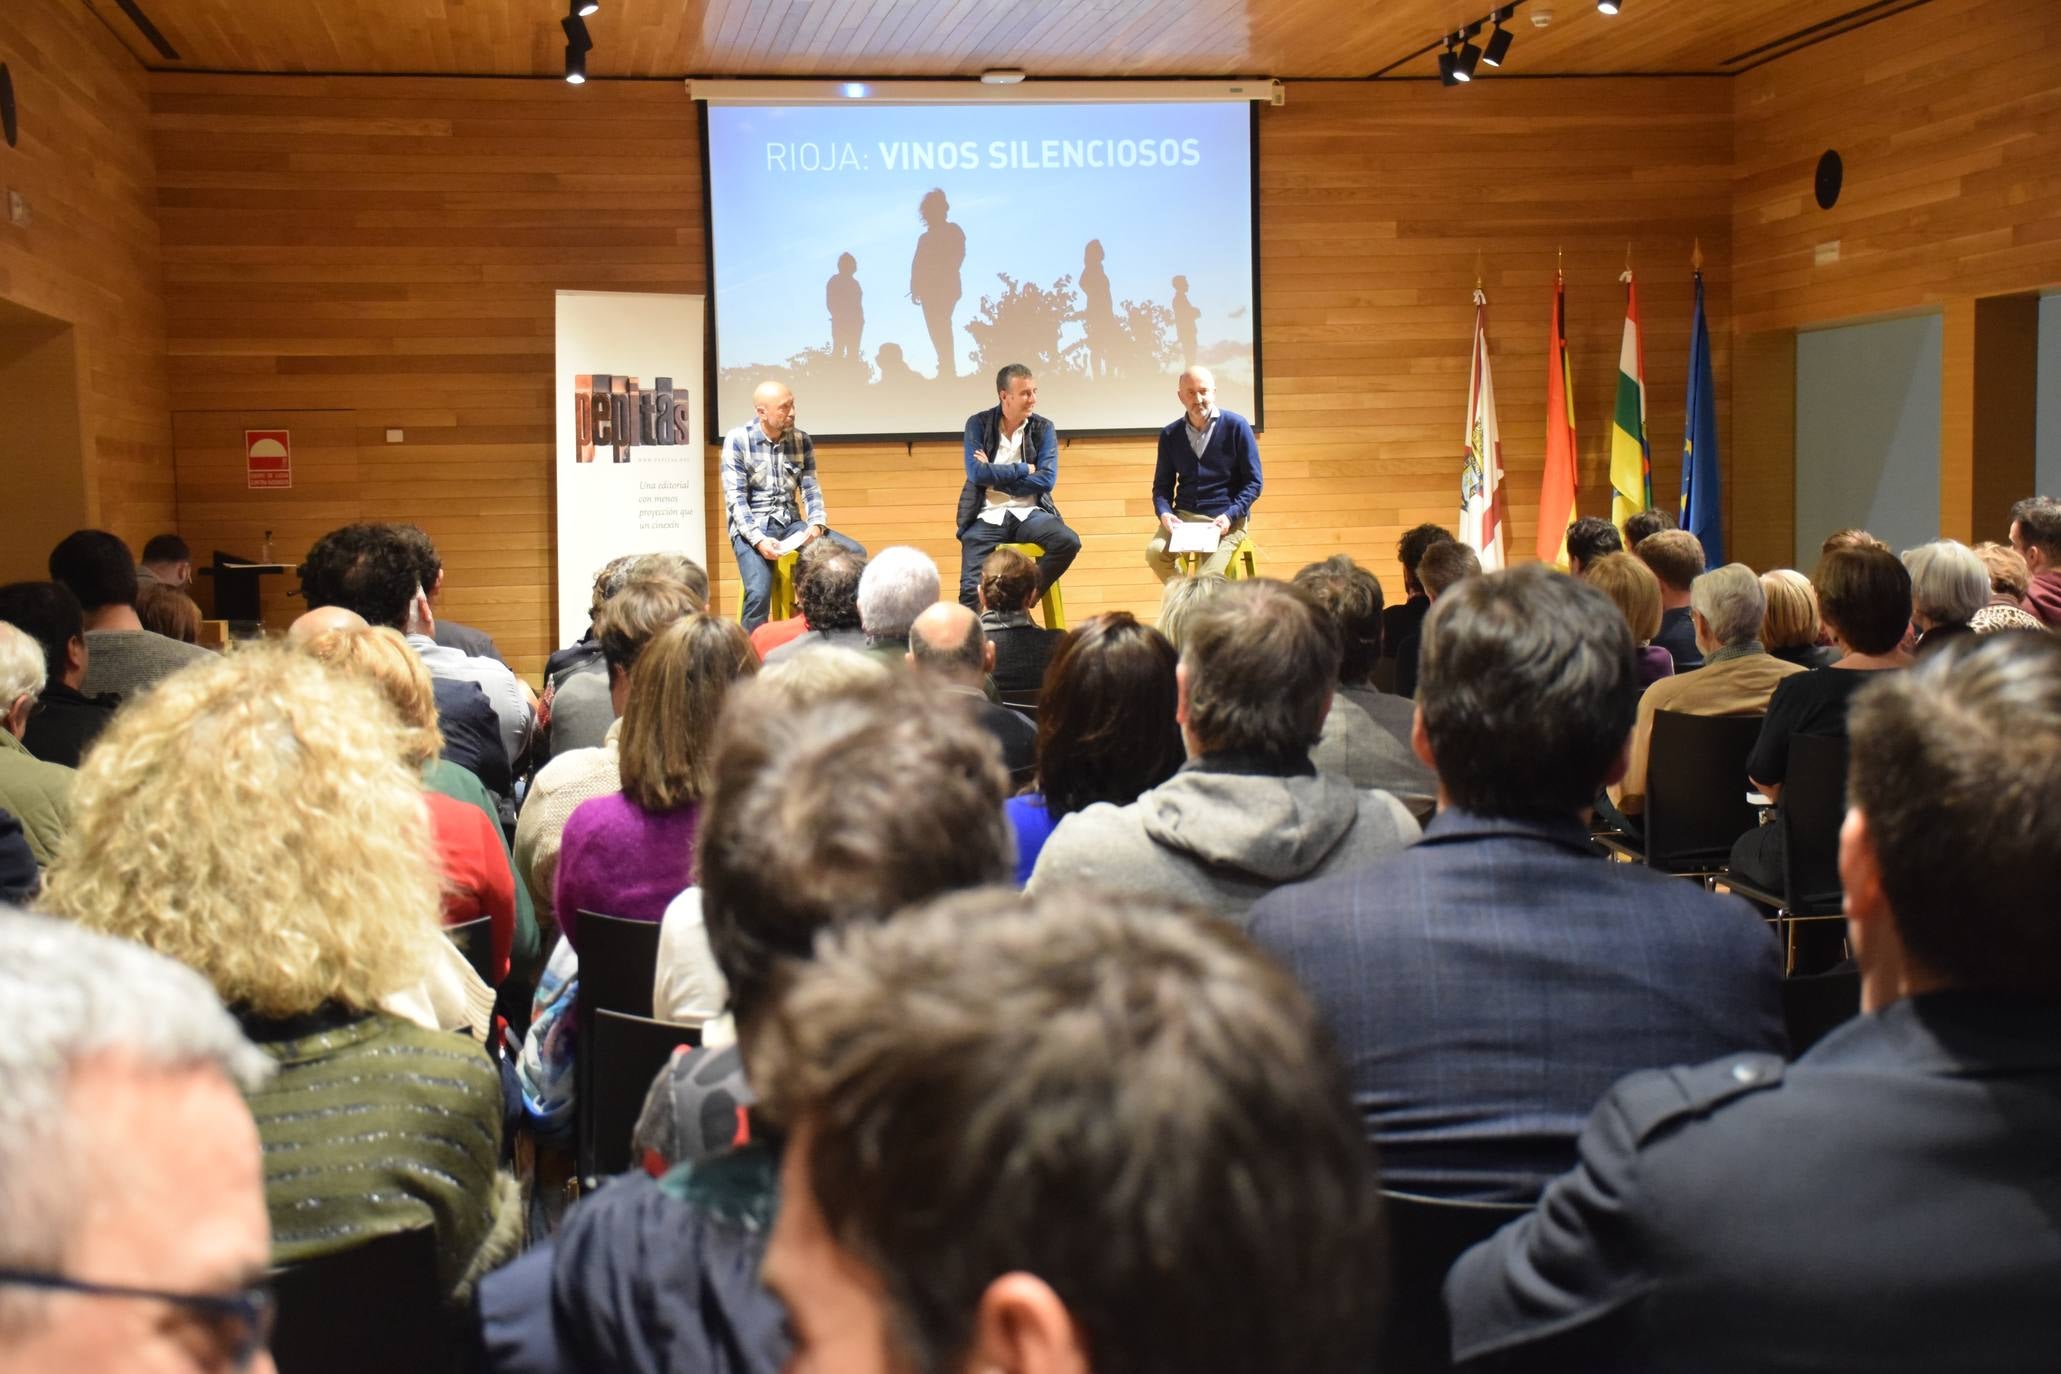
(846, 299)
(894, 369)
(934, 275)
(1098, 315)
(1185, 316)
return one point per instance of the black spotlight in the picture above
(1465, 61)
(1499, 41)
(587, 7)
(1607, 6)
(577, 45)
(1448, 65)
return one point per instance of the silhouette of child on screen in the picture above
(1185, 316)
(934, 275)
(843, 294)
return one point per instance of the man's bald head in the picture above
(948, 642)
(773, 403)
(1198, 394)
(1200, 375)
(312, 625)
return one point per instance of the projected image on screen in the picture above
(884, 261)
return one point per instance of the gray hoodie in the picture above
(1221, 839)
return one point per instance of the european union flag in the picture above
(1702, 512)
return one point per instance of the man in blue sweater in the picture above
(1208, 469)
(1012, 464)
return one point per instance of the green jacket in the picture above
(526, 952)
(38, 793)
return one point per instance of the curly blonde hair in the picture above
(252, 819)
(380, 656)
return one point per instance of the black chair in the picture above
(628, 1053)
(1425, 1236)
(475, 940)
(1696, 803)
(1816, 1005)
(618, 961)
(1812, 809)
(373, 1306)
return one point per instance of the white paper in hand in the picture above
(1194, 536)
(794, 541)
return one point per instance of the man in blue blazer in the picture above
(1012, 464)
(1489, 984)
(1208, 469)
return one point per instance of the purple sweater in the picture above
(618, 859)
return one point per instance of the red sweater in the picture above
(477, 879)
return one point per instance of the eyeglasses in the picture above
(240, 1323)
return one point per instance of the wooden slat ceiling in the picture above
(926, 38)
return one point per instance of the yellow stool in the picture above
(780, 599)
(1053, 605)
(1244, 560)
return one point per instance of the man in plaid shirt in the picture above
(763, 464)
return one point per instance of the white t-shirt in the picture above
(1000, 503)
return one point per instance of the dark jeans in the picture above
(757, 573)
(1061, 546)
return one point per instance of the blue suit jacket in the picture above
(1487, 986)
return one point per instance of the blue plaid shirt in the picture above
(760, 477)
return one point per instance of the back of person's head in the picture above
(1126, 1110)
(897, 586)
(1949, 582)
(22, 670)
(380, 656)
(97, 567)
(845, 809)
(1351, 596)
(2008, 575)
(1864, 595)
(1106, 714)
(812, 556)
(422, 550)
(251, 817)
(1955, 766)
(1850, 539)
(829, 596)
(1731, 602)
(1008, 581)
(1652, 520)
(1591, 537)
(1409, 551)
(677, 690)
(2038, 519)
(1182, 598)
(48, 613)
(824, 671)
(166, 548)
(1527, 686)
(1259, 662)
(1445, 564)
(608, 580)
(1676, 557)
(1792, 615)
(169, 612)
(676, 566)
(366, 567)
(1632, 588)
(636, 615)
(948, 643)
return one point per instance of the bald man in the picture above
(763, 464)
(312, 625)
(1208, 471)
(948, 647)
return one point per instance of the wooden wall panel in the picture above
(89, 256)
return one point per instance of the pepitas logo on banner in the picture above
(619, 414)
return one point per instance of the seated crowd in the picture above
(1119, 997)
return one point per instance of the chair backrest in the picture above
(628, 1052)
(373, 1306)
(1813, 809)
(475, 940)
(618, 959)
(1696, 788)
(1425, 1236)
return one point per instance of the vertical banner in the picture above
(631, 466)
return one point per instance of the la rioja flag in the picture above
(1481, 481)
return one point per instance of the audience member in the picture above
(1882, 1204)
(1106, 726)
(166, 562)
(1850, 539)
(586, 650)
(1366, 737)
(584, 706)
(1488, 983)
(2008, 580)
(21, 877)
(1589, 539)
(429, 574)
(1182, 598)
(1442, 566)
(169, 612)
(38, 793)
(1791, 630)
(65, 720)
(629, 853)
(833, 814)
(899, 584)
(131, 1185)
(673, 566)
(949, 649)
(1737, 678)
(1949, 584)
(2036, 536)
(301, 882)
(1676, 557)
(1649, 521)
(1635, 591)
(1248, 811)
(773, 633)
(1865, 597)
(633, 617)
(1130, 1117)
(829, 600)
(1401, 621)
(1008, 590)
(121, 656)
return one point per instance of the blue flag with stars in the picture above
(1701, 513)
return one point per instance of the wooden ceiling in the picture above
(925, 38)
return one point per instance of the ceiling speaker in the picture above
(1831, 176)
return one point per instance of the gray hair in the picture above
(1730, 600)
(1949, 581)
(897, 586)
(21, 665)
(72, 995)
(819, 673)
(1183, 597)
